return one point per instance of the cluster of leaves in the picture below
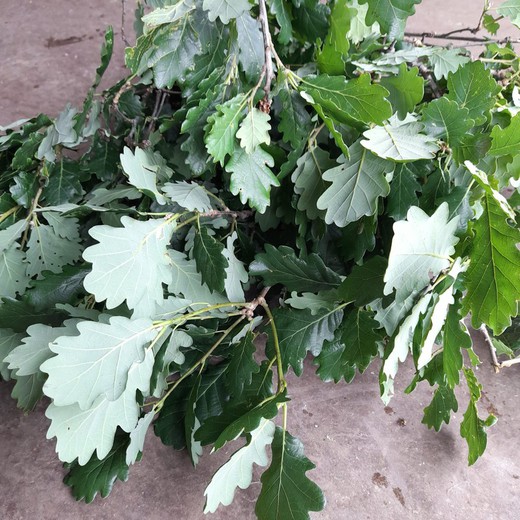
(291, 152)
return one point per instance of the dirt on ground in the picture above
(372, 461)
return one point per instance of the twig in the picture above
(123, 19)
(158, 405)
(127, 85)
(428, 76)
(492, 350)
(159, 103)
(510, 362)
(249, 311)
(268, 48)
(244, 214)
(450, 36)
(282, 384)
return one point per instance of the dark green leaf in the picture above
(99, 476)
(473, 87)
(175, 48)
(352, 101)
(282, 11)
(339, 27)
(64, 183)
(331, 365)
(301, 331)
(281, 265)
(63, 287)
(286, 490)
(242, 365)
(506, 140)
(365, 283)
(445, 120)
(490, 24)
(106, 55)
(18, 315)
(390, 14)
(294, 119)
(473, 429)
(249, 421)
(455, 338)
(169, 425)
(211, 263)
(226, 10)
(250, 46)
(252, 398)
(493, 276)
(251, 177)
(358, 238)
(310, 19)
(436, 187)
(403, 191)
(212, 394)
(439, 410)
(24, 188)
(209, 66)
(24, 157)
(336, 129)
(406, 89)
(103, 160)
(356, 187)
(360, 337)
(330, 58)
(28, 390)
(222, 128)
(309, 181)
(192, 423)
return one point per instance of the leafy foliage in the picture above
(348, 208)
(439, 410)
(251, 177)
(400, 141)
(413, 262)
(356, 187)
(473, 428)
(286, 490)
(493, 276)
(283, 266)
(238, 471)
(98, 476)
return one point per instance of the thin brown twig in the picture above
(492, 350)
(123, 20)
(249, 311)
(451, 36)
(510, 362)
(268, 47)
(428, 76)
(159, 103)
(497, 365)
(127, 85)
(244, 214)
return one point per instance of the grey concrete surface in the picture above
(372, 462)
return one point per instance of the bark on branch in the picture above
(268, 48)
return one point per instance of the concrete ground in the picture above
(371, 461)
